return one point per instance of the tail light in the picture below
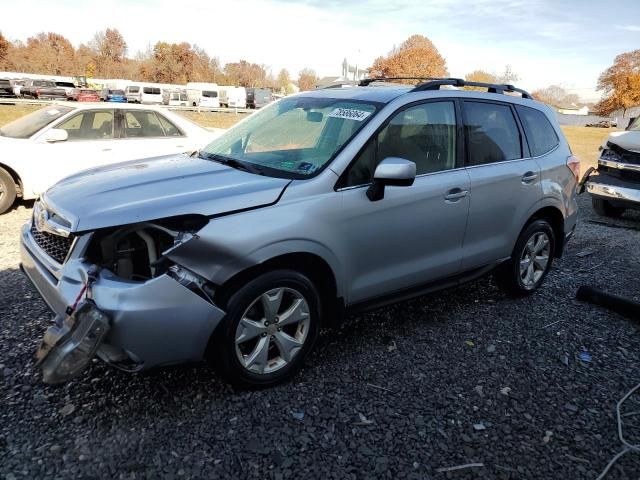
(573, 163)
(37, 91)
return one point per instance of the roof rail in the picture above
(435, 84)
(366, 81)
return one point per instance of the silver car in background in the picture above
(321, 204)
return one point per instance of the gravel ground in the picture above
(463, 376)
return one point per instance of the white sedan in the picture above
(54, 142)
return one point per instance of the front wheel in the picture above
(7, 191)
(270, 327)
(530, 261)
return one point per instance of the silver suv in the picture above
(319, 205)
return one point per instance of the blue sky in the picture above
(566, 42)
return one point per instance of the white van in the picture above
(151, 96)
(133, 93)
(175, 98)
(232, 97)
(203, 98)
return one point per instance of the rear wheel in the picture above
(604, 208)
(7, 191)
(530, 261)
(270, 326)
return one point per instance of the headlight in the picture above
(610, 155)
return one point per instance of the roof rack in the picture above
(366, 81)
(435, 84)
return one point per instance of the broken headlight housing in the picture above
(136, 252)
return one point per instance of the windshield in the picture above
(28, 125)
(116, 92)
(294, 137)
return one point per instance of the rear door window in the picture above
(142, 124)
(540, 133)
(170, 129)
(492, 133)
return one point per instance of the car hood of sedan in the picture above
(160, 187)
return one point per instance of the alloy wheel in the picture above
(272, 330)
(534, 259)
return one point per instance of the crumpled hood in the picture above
(153, 188)
(627, 140)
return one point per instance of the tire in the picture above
(605, 209)
(517, 282)
(253, 355)
(7, 191)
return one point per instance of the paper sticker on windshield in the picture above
(53, 111)
(350, 114)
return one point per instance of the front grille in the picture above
(55, 246)
(629, 175)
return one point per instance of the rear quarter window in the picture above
(540, 133)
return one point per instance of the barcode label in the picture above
(349, 114)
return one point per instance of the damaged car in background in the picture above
(614, 185)
(321, 204)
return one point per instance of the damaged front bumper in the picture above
(152, 323)
(613, 188)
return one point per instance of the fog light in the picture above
(67, 349)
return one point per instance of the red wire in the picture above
(84, 289)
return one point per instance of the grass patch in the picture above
(213, 119)
(8, 113)
(584, 141)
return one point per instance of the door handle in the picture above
(529, 177)
(455, 194)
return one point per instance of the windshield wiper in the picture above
(231, 162)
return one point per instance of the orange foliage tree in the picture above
(307, 79)
(5, 46)
(620, 84)
(417, 56)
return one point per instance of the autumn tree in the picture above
(480, 76)
(307, 79)
(284, 79)
(556, 96)
(415, 57)
(5, 47)
(620, 84)
(46, 53)
(204, 68)
(109, 53)
(170, 63)
(245, 74)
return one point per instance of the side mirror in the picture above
(631, 122)
(56, 135)
(391, 171)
